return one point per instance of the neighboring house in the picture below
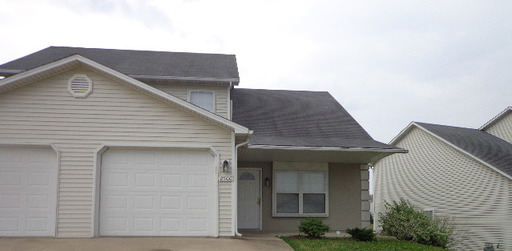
(455, 172)
(98, 142)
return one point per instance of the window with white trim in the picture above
(300, 189)
(203, 99)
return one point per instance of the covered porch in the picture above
(279, 187)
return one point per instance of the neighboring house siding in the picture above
(434, 175)
(181, 90)
(502, 128)
(46, 113)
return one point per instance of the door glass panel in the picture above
(246, 176)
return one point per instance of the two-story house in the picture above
(464, 174)
(99, 142)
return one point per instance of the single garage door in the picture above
(28, 191)
(148, 192)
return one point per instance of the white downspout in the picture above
(235, 174)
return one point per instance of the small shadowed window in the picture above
(203, 99)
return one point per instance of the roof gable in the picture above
(73, 61)
(139, 64)
(488, 149)
(299, 119)
(497, 118)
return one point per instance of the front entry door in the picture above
(249, 198)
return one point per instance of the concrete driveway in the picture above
(248, 243)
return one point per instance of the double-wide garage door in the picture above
(148, 192)
(28, 191)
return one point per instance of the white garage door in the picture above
(157, 193)
(28, 191)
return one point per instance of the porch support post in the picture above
(365, 197)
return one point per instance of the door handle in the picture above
(258, 201)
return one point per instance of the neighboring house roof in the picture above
(299, 119)
(485, 147)
(497, 118)
(147, 65)
(73, 61)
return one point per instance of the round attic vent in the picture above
(80, 85)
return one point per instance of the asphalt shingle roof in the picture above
(139, 64)
(298, 118)
(485, 146)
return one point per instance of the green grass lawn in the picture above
(303, 244)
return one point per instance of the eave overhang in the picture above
(315, 154)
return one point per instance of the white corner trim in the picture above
(463, 151)
(57, 190)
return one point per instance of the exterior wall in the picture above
(181, 90)
(46, 113)
(345, 199)
(502, 128)
(434, 175)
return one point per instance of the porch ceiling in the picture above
(313, 155)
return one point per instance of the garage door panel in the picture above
(156, 193)
(10, 178)
(197, 181)
(28, 184)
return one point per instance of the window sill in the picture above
(274, 215)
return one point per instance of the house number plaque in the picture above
(226, 178)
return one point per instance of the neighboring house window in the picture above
(429, 213)
(300, 189)
(203, 99)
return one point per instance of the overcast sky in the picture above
(387, 62)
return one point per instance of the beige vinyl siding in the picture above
(502, 128)
(181, 90)
(434, 175)
(45, 112)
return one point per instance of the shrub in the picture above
(405, 222)
(362, 234)
(313, 227)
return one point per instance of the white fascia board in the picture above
(10, 82)
(5, 85)
(326, 148)
(402, 133)
(152, 77)
(463, 151)
(496, 118)
(11, 71)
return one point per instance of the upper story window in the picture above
(203, 99)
